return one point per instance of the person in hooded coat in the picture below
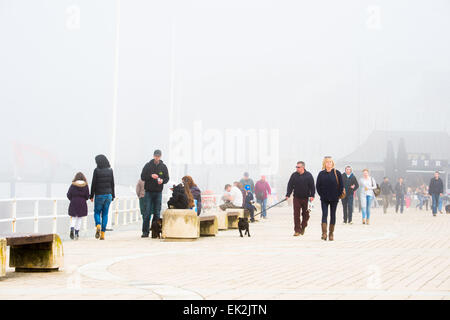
(78, 194)
(102, 188)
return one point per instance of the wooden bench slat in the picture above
(207, 218)
(232, 214)
(18, 239)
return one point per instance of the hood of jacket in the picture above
(79, 183)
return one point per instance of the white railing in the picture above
(128, 207)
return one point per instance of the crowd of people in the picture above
(331, 185)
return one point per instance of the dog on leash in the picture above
(156, 228)
(243, 225)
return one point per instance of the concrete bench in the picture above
(35, 252)
(180, 224)
(233, 216)
(208, 225)
(2, 257)
(222, 219)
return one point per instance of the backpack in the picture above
(179, 199)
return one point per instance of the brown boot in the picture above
(324, 231)
(330, 236)
(97, 231)
(102, 236)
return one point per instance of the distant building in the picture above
(416, 158)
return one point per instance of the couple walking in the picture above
(329, 187)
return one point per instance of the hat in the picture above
(157, 152)
(247, 187)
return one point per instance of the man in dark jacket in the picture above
(302, 183)
(155, 175)
(386, 193)
(351, 185)
(436, 190)
(400, 191)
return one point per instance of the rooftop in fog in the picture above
(436, 143)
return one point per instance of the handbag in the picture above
(344, 194)
(377, 190)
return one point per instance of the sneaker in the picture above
(350, 222)
(144, 235)
(77, 234)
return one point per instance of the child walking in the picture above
(78, 194)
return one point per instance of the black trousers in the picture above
(333, 206)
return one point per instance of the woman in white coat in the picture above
(367, 185)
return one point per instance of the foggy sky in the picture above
(319, 71)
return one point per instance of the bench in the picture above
(2, 257)
(208, 225)
(233, 216)
(35, 252)
(179, 224)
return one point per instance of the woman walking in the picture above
(195, 191)
(330, 187)
(78, 194)
(102, 188)
(366, 194)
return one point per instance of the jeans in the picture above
(142, 205)
(400, 201)
(152, 207)
(440, 203)
(263, 204)
(300, 204)
(366, 203)
(347, 204)
(333, 206)
(435, 202)
(101, 207)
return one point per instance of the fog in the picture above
(312, 78)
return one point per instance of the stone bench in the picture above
(222, 219)
(233, 216)
(35, 252)
(180, 224)
(208, 225)
(2, 257)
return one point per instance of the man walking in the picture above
(155, 175)
(302, 183)
(262, 190)
(400, 192)
(351, 185)
(386, 193)
(436, 190)
(247, 181)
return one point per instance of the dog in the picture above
(178, 200)
(156, 228)
(243, 225)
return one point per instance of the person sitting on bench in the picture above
(232, 198)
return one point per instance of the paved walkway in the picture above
(396, 257)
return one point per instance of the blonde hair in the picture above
(325, 159)
(366, 170)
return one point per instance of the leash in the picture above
(270, 207)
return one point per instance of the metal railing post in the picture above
(125, 211)
(137, 210)
(55, 215)
(14, 215)
(36, 216)
(116, 212)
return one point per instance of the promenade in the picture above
(397, 256)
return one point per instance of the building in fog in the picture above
(412, 155)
